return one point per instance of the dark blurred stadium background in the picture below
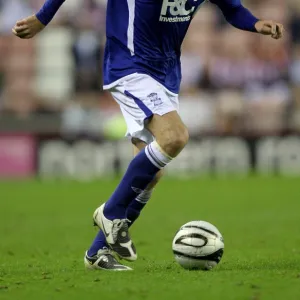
(239, 95)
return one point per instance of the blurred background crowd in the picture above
(234, 82)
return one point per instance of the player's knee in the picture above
(176, 140)
(181, 139)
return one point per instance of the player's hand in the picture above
(28, 28)
(275, 30)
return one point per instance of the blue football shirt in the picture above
(145, 36)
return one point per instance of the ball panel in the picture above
(209, 228)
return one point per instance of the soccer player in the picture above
(142, 72)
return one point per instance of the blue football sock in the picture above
(98, 243)
(133, 213)
(139, 174)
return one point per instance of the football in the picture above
(198, 245)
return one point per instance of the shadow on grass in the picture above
(261, 265)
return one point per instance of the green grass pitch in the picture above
(46, 227)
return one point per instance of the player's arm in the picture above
(240, 17)
(30, 26)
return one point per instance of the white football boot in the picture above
(104, 260)
(116, 234)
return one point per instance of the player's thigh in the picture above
(169, 131)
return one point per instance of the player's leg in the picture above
(134, 208)
(171, 137)
(98, 256)
(146, 106)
